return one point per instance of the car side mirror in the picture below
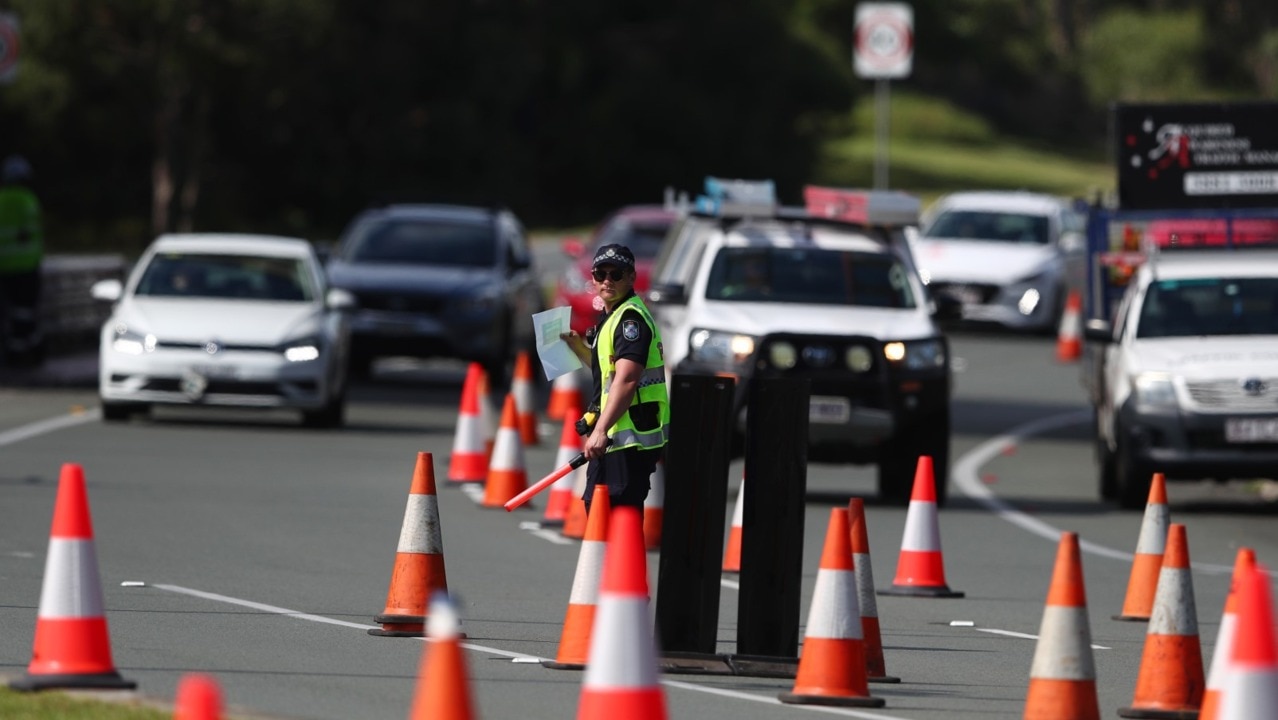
(1098, 331)
(668, 294)
(340, 299)
(107, 290)
(946, 307)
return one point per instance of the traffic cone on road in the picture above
(832, 660)
(732, 551)
(507, 473)
(521, 386)
(575, 523)
(419, 559)
(1063, 674)
(574, 639)
(1222, 656)
(565, 394)
(198, 698)
(920, 568)
(72, 647)
(559, 499)
(1251, 688)
(469, 462)
(875, 668)
(1147, 564)
(443, 686)
(1170, 682)
(487, 414)
(653, 508)
(620, 682)
(1069, 343)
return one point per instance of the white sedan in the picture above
(225, 320)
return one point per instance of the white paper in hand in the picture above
(555, 355)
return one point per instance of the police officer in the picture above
(21, 250)
(633, 423)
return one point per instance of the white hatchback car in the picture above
(1008, 257)
(225, 320)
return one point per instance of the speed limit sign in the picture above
(884, 40)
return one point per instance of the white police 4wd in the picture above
(1188, 379)
(828, 292)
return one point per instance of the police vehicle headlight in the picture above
(712, 346)
(783, 355)
(916, 355)
(131, 342)
(1154, 390)
(859, 358)
(302, 349)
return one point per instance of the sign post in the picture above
(9, 47)
(883, 43)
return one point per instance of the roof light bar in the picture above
(738, 197)
(868, 207)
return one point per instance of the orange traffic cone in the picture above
(507, 474)
(1148, 561)
(565, 394)
(443, 688)
(521, 386)
(419, 559)
(574, 639)
(559, 499)
(198, 698)
(1222, 656)
(920, 568)
(653, 508)
(469, 462)
(732, 552)
(575, 523)
(620, 682)
(1069, 344)
(1170, 682)
(875, 668)
(487, 415)
(72, 648)
(1251, 689)
(1063, 675)
(832, 661)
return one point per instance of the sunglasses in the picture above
(615, 274)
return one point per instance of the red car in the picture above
(642, 228)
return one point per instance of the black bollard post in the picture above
(697, 459)
(776, 458)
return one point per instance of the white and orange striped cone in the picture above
(565, 394)
(1147, 564)
(559, 499)
(1063, 674)
(875, 667)
(487, 413)
(575, 524)
(574, 639)
(920, 568)
(1170, 682)
(620, 682)
(469, 461)
(1222, 656)
(732, 549)
(198, 698)
(443, 685)
(1251, 688)
(1069, 340)
(832, 660)
(521, 386)
(507, 472)
(419, 559)
(654, 507)
(72, 647)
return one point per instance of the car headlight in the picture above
(720, 348)
(1154, 389)
(859, 358)
(917, 354)
(303, 349)
(131, 342)
(783, 355)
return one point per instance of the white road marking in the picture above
(26, 432)
(1027, 636)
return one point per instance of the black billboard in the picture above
(1209, 155)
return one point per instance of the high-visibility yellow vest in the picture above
(652, 383)
(21, 237)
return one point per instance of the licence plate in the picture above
(829, 410)
(216, 371)
(1251, 430)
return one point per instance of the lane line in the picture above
(1027, 636)
(42, 427)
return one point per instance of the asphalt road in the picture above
(266, 549)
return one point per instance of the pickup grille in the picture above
(1230, 395)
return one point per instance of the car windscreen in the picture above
(643, 239)
(990, 227)
(423, 242)
(809, 275)
(1209, 306)
(245, 277)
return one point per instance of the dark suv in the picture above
(438, 281)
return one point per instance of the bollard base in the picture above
(1135, 712)
(883, 679)
(93, 681)
(936, 591)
